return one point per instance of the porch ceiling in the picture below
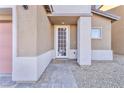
(65, 20)
(5, 15)
(6, 11)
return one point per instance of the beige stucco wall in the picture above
(101, 44)
(35, 34)
(34, 31)
(73, 36)
(118, 31)
(44, 33)
(105, 24)
(27, 31)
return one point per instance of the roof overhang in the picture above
(106, 14)
(48, 8)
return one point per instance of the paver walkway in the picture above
(67, 74)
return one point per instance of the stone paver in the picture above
(6, 82)
(58, 74)
(68, 74)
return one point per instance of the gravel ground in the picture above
(101, 74)
(68, 74)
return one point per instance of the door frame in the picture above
(67, 39)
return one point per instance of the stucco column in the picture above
(84, 41)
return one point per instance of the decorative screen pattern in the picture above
(62, 41)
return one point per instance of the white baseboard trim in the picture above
(31, 68)
(25, 69)
(73, 54)
(102, 55)
(96, 54)
(43, 61)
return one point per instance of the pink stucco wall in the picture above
(5, 47)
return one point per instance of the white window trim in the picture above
(101, 30)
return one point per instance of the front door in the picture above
(61, 41)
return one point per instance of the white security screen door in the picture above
(61, 41)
